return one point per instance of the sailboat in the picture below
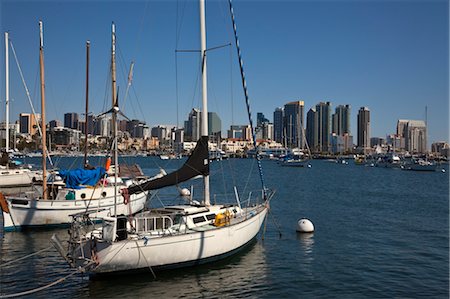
(12, 175)
(83, 190)
(171, 236)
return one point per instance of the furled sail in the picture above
(197, 164)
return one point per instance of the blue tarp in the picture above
(76, 177)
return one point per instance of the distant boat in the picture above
(360, 160)
(420, 165)
(390, 160)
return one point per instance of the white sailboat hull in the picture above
(38, 212)
(18, 177)
(176, 251)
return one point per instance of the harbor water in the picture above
(379, 233)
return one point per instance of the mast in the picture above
(88, 43)
(114, 112)
(204, 91)
(44, 129)
(7, 89)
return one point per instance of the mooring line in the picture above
(27, 256)
(40, 288)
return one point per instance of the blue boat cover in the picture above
(76, 177)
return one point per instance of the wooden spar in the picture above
(88, 43)
(114, 112)
(43, 126)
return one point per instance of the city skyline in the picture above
(360, 53)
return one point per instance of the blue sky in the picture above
(391, 56)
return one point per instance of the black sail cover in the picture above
(197, 164)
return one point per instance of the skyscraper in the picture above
(260, 119)
(294, 124)
(341, 120)
(416, 137)
(363, 128)
(278, 116)
(71, 120)
(323, 111)
(312, 130)
(192, 126)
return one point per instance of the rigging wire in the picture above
(247, 101)
(28, 96)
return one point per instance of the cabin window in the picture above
(198, 219)
(103, 194)
(83, 195)
(211, 216)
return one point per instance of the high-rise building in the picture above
(71, 120)
(312, 132)
(260, 119)
(401, 133)
(214, 126)
(192, 126)
(278, 116)
(341, 120)
(363, 128)
(294, 124)
(323, 110)
(416, 137)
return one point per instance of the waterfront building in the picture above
(374, 141)
(103, 126)
(278, 116)
(441, 148)
(323, 114)
(71, 120)
(28, 123)
(401, 133)
(236, 132)
(54, 123)
(341, 120)
(192, 127)
(363, 128)
(341, 144)
(260, 119)
(65, 138)
(161, 132)
(122, 125)
(312, 130)
(416, 136)
(214, 127)
(294, 124)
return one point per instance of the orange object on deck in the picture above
(108, 164)
(3, 203)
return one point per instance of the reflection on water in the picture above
(306, 242)
(239, 275)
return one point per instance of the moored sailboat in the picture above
(83, 190)
(171, 236)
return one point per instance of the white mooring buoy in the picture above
(305, 226)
